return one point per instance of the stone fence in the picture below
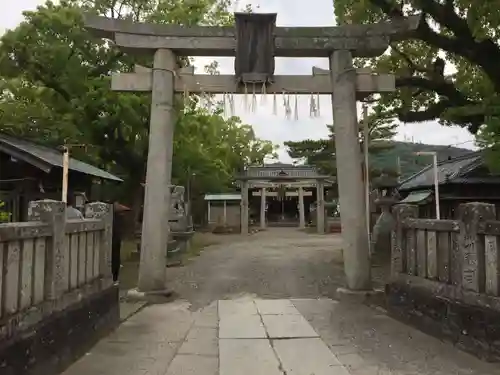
(55, 286)
(446, 276)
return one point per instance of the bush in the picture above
(4, 215)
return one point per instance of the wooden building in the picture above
(223, 209)
(290, 193)
(460, 180)
(31, 172)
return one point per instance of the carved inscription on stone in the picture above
(492, 265)
(469, 265)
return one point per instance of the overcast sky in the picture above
(275, 127)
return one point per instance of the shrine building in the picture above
(290, 194)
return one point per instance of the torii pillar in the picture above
(356, 252)
(152, 273)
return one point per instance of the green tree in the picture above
(4, 215)
(463, 34)
(321, 153)
(56, 88)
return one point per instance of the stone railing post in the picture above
(400, 247)
(244, 207)
(56, 273)
(320, 210)
(471, 248)
(103, 211)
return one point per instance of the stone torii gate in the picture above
(339, 44)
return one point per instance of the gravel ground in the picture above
(278, 263)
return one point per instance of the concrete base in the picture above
(372, 297)
(157, 296)
(53, 344)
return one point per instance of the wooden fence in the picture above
(458, 259)
(50, 262)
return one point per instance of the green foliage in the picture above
(408, 161)
(321, 153)
(55, 88)
(4, 215)
(386, 159)
(462, 34)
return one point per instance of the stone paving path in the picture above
(250, 336)
(266, 306)
(271, 337)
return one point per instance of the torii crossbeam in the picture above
(319, 82)
(362, 40)
(344, 83)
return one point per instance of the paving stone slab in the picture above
(201, 341)
(201, 346)
(315, 357)
(276, 307)
(241, 327)
(128, 309)
(236, 307)
(193, 365)
(171, 330)
(287, 326)
(207, 317)
(248, 357)
(352, 360)
(202, 332)
(319, 306)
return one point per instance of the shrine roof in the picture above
(282, 170)
(223, 197)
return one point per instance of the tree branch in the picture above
(414, 67)
(392, 10)
(451, 97)
(41, 75)
(442, 87)
(485, 53)
(106, 68)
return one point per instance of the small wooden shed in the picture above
(223, 209)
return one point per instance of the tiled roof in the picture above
(277, 169)
(454, 170)
(46, 158)
(223, 197)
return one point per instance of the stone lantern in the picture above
(387, 196)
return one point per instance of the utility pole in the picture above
(366, 141)
(65, 164)
(64, 197)
(436, 178)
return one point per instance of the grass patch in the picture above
(128, 249)
(198, 243)
(129, 272)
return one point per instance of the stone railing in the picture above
(49, 263)
(446, 275)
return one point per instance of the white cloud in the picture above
(276, 128)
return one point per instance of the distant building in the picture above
(31, 172)
(461, 180)
(284, 186)
(223, 209)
